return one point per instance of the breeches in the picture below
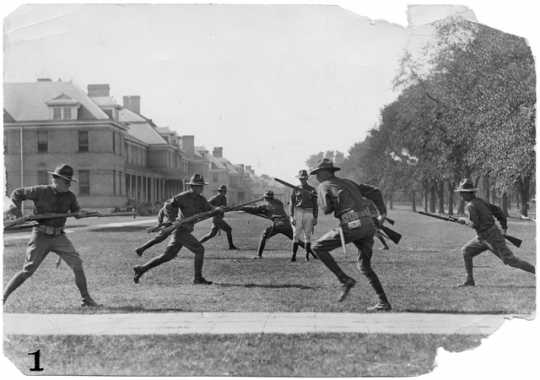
(492, 240)
(303, 227)
(40, 245)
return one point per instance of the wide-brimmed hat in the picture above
(325, 164)
(222, 188)
(466, 186)
(196, 180)
(269, 194)
(63, 171)
(302, 174)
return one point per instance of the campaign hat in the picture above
(63, 171)
(325, 164)
(466, 186)
(196, 180)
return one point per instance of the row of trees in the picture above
(466, 110)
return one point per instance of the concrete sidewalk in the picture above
(250, 323)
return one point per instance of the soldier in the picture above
(219, 200)
(274, 210)
(347, 200)
(304, 211)
(49, 234)
(489, 237)
(189, 203)
(163, 221)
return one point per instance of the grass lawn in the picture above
(310, 355)
(419, 274)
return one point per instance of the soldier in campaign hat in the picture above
(350, 203)
(272, 209)
(480, 216)
(220, 200)
(304, 211)
(187, 203)
(48, 235)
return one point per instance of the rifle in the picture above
(202, 216)
(512, 239)
(392, 235)
(52, 215)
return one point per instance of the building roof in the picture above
(28, 101)
(128, 116)
(105, 101)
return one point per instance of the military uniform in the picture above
(48, 235)
(186, 204)
(304, 211)
(274, 210)
(219, 200)
(351, 204)
(480, 216)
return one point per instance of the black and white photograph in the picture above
(268, 190)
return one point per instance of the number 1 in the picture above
(36, 361)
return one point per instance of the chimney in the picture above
(218, 152)
(133, 103)
(188, 144)
(241, 168)
(44, 80)
(97, 90)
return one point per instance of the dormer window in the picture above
(63, 107)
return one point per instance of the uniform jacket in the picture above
(481, 213)
(272, 209)
(218, 200)
(305, 198)
(47, 200)
(186, 204)
(339, 195)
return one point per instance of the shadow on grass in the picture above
(439, 311)
(269, 286)
(119, 228)
(139, 309)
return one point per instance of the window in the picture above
(67, 113)
(42, 142)
(114, 181)
(43, 177)
(83, 141)
(84, 182)
(114, 142)
(57, 113)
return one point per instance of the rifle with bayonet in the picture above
(512, 239)
(167, 230)
(87, 214)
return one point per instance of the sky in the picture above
(271, 84)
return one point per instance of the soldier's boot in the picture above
(90, 303)
(139, 251)
(469, 281)
(380, 306)
(80, 281)
(294, 250)
(197, 266)
(346, 281)
(310, 252)
(139, 271)
(230, 241)
(522, 264)
(260, 250)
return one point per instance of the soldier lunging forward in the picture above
(189, 203)
(489, 237)
(350, 203)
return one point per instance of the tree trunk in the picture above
(504, 203)
(524, 184)
(391, 200)
(440, 195)
(413, 196)
(426, 192)
(432, 197)
(485, 186)
(450, 198)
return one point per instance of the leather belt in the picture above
(50, 230)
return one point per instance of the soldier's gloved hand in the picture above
(293, 222)
(14, 211)
(462, 221)
(381, 218)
